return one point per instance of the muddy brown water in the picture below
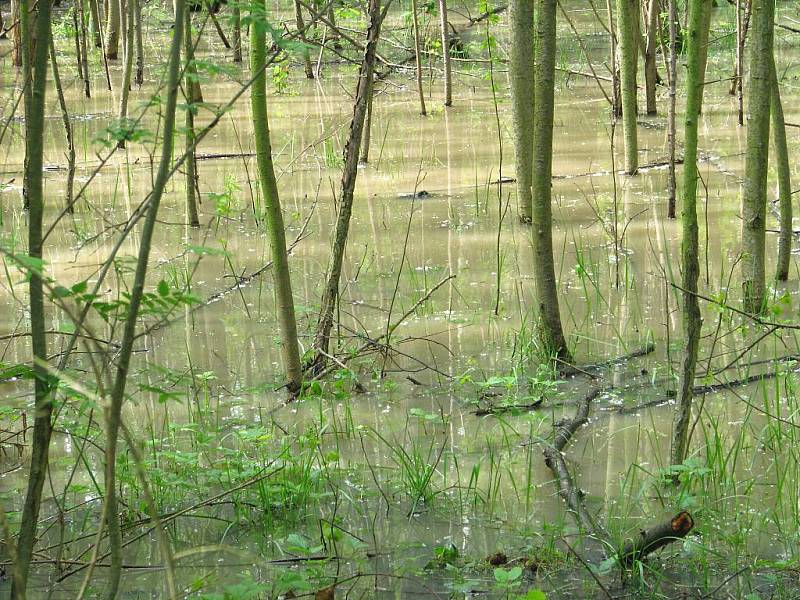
(750, 482)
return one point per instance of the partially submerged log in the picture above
(650, 540)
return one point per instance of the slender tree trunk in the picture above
(673, 87)
(627, 15)
(16, 32)
(301, 27)
(418, 58)
(80, 10)
(127, 69)
(139, 79)
(113, 23)
(754, 199)
(448, 71)
(67, 128)
(690, 245)
(784, 179)
(192, 80)
(331, 292)
(34, 150)
(272, 206)
(236, 16)
(706, 27)
(113, 411)
(550, 331)
(616, 104)
(365, 143)
(522, 89)
(191, 159)
(650, 69)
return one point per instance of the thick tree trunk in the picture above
(690, 250)
(754, 199)
(331, 292)
(627, 16)
(522, 88)
(550, 331)
(784, 179)
(112, 32)
(43, 401)
(448, 75)
(94, 12)
(706, 27)
(16, 32)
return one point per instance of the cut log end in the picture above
(650, 540)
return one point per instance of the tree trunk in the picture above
(113, 22)
(448, 75)
(692, 320)
(365, 143)
(272, 208)
(127, 69)
(193, 89)
(16, 32)
(627, 16)
(191, 159)
(301, 27)
(784, 179)
(67, 128)
(650, 69)
(522, 88)
(331, 293)
(237, 33)
(754, 199)
(84, 47)
(139, 42)
(706, 26)
(94, 12)
(673, 87)
(113, 411)
(616, 99)
(418, 58)
(550, 331)
(34, 150)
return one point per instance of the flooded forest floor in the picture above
(416, 468)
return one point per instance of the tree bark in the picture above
(522, 89)
(650, 540)
(550, 330)
(34, 150)
(627, 16)
(650, 68)
(113, 411)
(139, 79)
(754, 199)
(349, 174)
(671, 125)
(272, 206)
(94, 12)
(301, 27)
(191, 159)
(127, 68)
(692, 320)
(448, 75)
(706, 26)
(784, 179)
(418, 58)
(113, 22)
(67, 128)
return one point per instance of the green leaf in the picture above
(533, 595)
(163, 289)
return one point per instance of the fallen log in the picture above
(650, 540)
